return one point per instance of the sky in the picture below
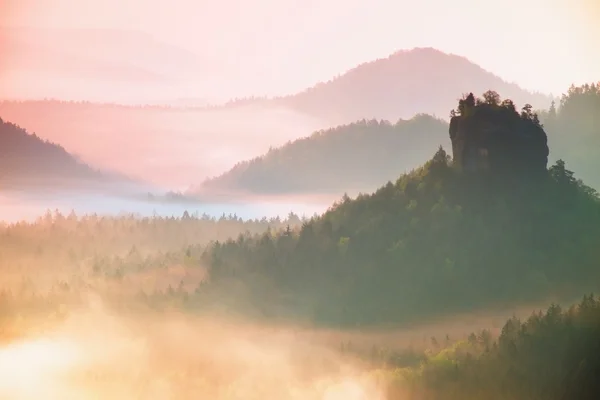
(275, 47)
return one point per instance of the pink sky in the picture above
(282, 46)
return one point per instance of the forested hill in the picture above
(358, 156)
(436, 241)
(28, 161)
(573, 128)
(361, 155)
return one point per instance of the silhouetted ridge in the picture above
(27, 159)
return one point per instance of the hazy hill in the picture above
(437, 241)
(355, 157)
(172, 147)
(26, 161)
(94, 64)
(209, 140)
(421, 80)
(358, 156)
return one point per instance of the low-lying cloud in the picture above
(99, 354)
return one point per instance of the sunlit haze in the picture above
(271, 47)
(299, 199)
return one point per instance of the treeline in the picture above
(79, 251)
(116, 235)
(434, 242)
(355, 156)
(573, 130)
(551, 355)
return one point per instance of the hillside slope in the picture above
(28, 161)
(350, 157)
(436, 241)
(187, 145)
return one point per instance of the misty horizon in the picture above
(299, 200)
(157, 21)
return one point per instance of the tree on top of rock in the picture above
(489, 134)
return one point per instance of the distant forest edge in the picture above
(361, 155)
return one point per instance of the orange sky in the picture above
(282, 46)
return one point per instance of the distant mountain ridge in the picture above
(408, 82)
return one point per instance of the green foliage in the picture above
(551, 355)
(434, 242)
(574, 130)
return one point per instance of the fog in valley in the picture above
(26, 206)
(169, 147)
(299, 200)
(148, 354)
(172, 356)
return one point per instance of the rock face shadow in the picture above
(489, 135)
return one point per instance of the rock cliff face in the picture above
(493, 136)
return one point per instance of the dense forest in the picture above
(54, 261)
(434, 242)
(551, 355)
(574, 130)
(73, 241)
(437, 241)
(349, 157)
